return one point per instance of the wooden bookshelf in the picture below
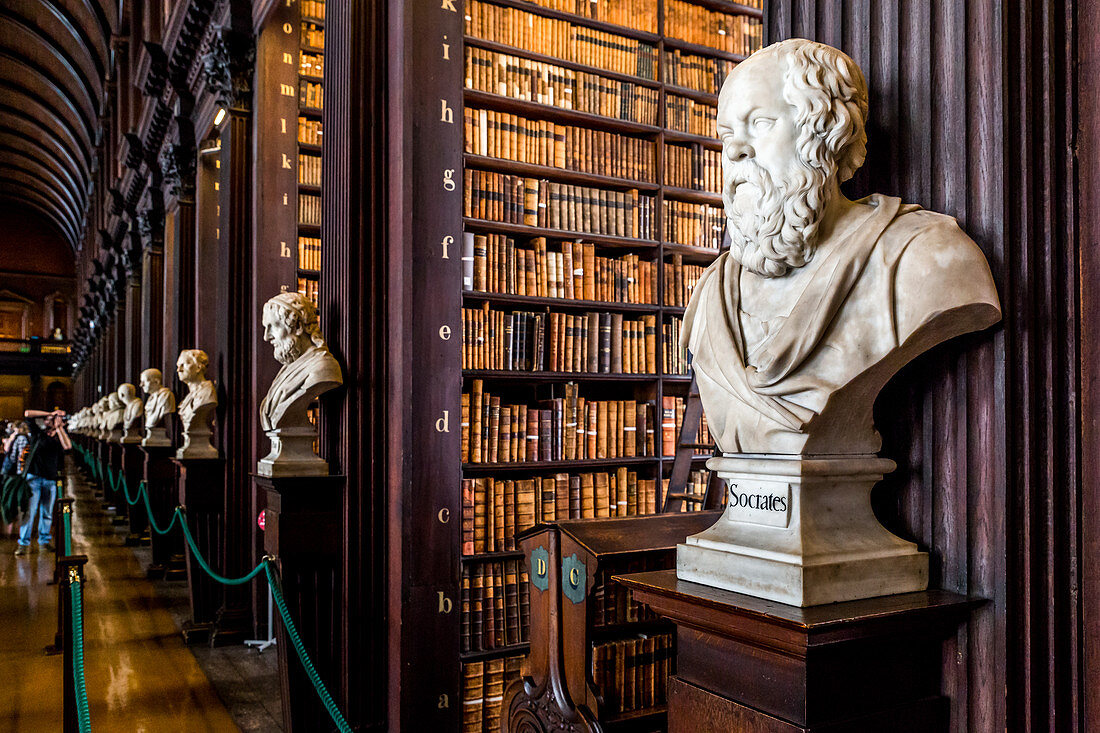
(541, 112)
(310, 84)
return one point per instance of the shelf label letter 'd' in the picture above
(443, 424)
(540, 568)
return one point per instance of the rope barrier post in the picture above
(62, 556)
(133, 464)
(73, 656)
(61, 507)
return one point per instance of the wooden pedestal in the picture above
(160, 483)
(302, 528)
(201, 483)
(133, 463)
(103, 456)
(757, 666)
(117, 502)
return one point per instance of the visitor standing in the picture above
(46, 453)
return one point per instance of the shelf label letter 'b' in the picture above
(445, 604)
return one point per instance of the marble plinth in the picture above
(196, 444)
(115, 436)
(800, 530)
(292, 454)
(156, 438)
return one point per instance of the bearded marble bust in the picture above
(309, 370)
(797, 327)
(819, 300)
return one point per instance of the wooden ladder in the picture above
(686, 445)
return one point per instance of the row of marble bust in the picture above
(291, 326)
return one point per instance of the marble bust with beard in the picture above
(795, 329)
(309, 370)
(819, 300)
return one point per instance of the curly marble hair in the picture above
(298, 313)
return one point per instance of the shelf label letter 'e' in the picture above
(445, 333)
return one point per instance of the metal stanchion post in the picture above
(262, 644)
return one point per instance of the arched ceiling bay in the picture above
(54, 59)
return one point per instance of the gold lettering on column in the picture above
(286, 200)
(444, 702)
(444, 515)
(445, 333)
(447, 115)
(445, 604)
(448, 179)
(446, 50)
(449, 5)
(540, 566)
(286, 90)
(282, 125)
(284, 250)
(447, 241)
(286, 162)
(574, 576)
(288, 58)
(288, 28)
(443, 424)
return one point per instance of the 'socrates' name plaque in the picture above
(759, 502)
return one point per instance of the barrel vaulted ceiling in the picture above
(54, 60)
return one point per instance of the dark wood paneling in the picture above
(971, 115)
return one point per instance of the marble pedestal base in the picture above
(156, 438)
(196, 445)
(800, 530)
(292, 454)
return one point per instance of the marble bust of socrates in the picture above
(819, 300)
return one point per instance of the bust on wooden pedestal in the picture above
(196, 412)
(160, 403)
(795, 330)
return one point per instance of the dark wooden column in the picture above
(974, 108)
(230, 68)
(152, 292)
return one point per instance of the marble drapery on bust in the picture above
(196, 411)
(291, 326)
(794, 331)
(159, 403)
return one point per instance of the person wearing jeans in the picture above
(48, 444)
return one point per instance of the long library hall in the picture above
(603, 366)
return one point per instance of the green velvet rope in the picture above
(202, 561)
(126, 489)
(299, 647)
(68, 527)
(143, 490)
(76, 599)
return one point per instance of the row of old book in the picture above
(569, 428)
(687, 115)
(483, 685)
(701, 73)
(308, 287)
(697, 487)
(698, 225)
(562, 39)
(495, 510)
(536, 81)
(309, 253)
(309, 170)
(585, 343)
(674, 357)
(739, 34)
(311, 94)
(680, 281)
(311, 64)
(309, 131)
(309, 209)
(313, 35)
(537, 202)
(494, 263)
(495, 607)
(541, 142)
(630, 13)
(632, 673)
(693, 166)
(313, 9)
(611, 604)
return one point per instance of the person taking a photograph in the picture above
(48, 444)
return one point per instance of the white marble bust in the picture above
(99, 418)
(159, 403)
(309, 370)
(794, 331)
(196, 412)
(115, 413)
(133, 411)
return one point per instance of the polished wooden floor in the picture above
(140, 676)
